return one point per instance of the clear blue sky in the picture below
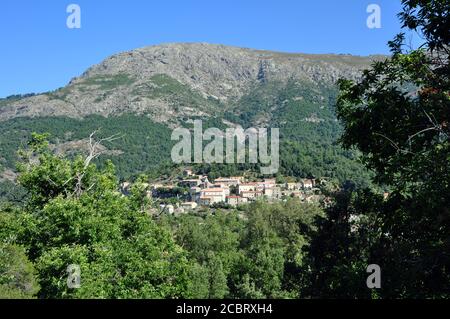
(39, 53)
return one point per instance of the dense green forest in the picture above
(258, 251)
(72, 213)
(143, 146)
(143, 143)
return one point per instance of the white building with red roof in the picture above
(212, 195)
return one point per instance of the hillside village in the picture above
(196, 191)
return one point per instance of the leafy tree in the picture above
(264, 263)
(398, 116)
(213, 246)
(76, 216)
(17, 273)
(341, 245)
(216, 277)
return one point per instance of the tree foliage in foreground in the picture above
(257, 252)
(76, 216)
(398, 116)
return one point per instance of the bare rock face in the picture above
(180, 80)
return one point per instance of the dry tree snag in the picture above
(95, 150)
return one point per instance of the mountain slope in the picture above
(173, 84)
(179, 80)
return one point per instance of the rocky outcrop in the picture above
(179, 80)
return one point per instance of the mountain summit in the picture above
(170, 81)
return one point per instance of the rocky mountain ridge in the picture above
(180, 80)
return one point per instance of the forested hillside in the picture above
(143, 94)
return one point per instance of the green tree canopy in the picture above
(398, 116)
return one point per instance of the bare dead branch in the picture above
(95, 150)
